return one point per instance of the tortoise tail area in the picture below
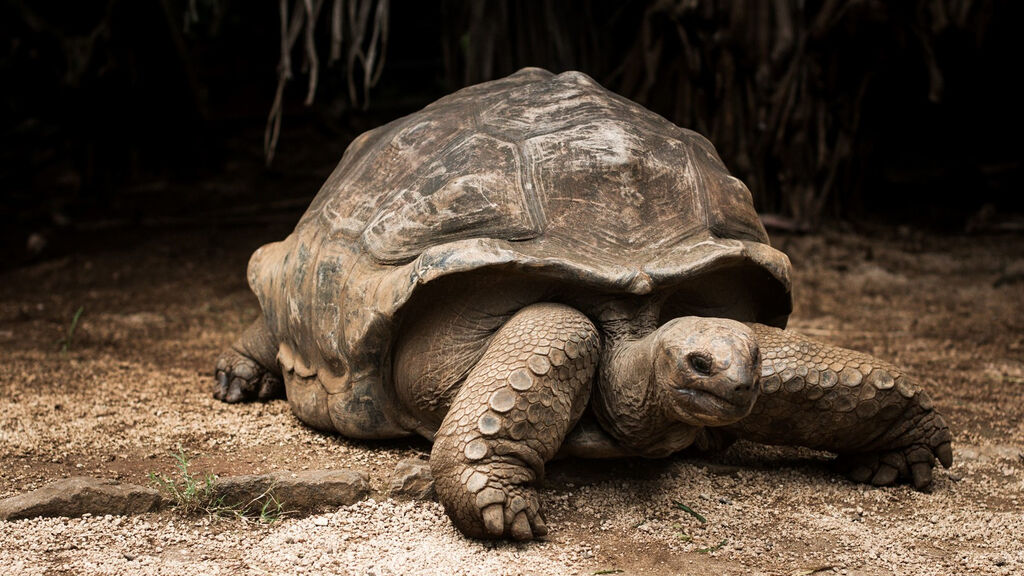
(329, 384)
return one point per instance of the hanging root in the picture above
(364, 58)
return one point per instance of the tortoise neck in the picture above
(627, 402)
(628, 319)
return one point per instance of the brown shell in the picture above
(550, 174)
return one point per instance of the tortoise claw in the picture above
(922, 475)
(913, 464)
(886, 475)
(944, 452)
(520, 529)
(540, 528)
(220, 389)
(909, 455)
(494, 520)
(492, 503)
(239, 378)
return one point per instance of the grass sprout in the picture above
(66, 342)
(681, 534)
(193, 493)
(809, 571)
(680, 506)
(711, 549)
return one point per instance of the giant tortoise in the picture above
(535, 266)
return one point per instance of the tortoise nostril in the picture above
(701, 363)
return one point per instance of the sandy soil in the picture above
(159, 305)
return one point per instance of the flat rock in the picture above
(80, 495)
(412, 480)
(303, 492)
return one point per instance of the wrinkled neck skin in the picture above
(627, 402)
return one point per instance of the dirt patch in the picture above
(134, 385)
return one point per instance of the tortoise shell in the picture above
(546, 175)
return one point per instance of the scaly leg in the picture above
(879, 421)
(248, 370)
(509, 417)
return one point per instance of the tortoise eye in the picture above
(701, 363)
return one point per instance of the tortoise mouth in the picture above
(703, 407)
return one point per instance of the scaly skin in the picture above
(248, 370)
(871, 413)
(509, 417)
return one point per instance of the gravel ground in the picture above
(133, 386)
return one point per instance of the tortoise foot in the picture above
(909, 456)
(242, 379)
(492, 501)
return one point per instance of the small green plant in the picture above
(681, 534)
(66, 341)
(192, 493)
(711, 549)
(271, 510)
(616, 571)
(809, 571)
(680, 506)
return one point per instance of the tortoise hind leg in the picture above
(509, 417)
(248, 370)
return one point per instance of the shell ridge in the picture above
(463, 200)
(534, 194)
(702, 200)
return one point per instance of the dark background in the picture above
(124, 117)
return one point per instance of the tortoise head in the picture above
(657, 391)
(705, 370)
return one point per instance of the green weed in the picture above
(680, 506)
(66, 341)
(192, 493)
(681, 534)
(710, 549)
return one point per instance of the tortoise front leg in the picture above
(509, 417)
(879, 421)
(248, 370)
